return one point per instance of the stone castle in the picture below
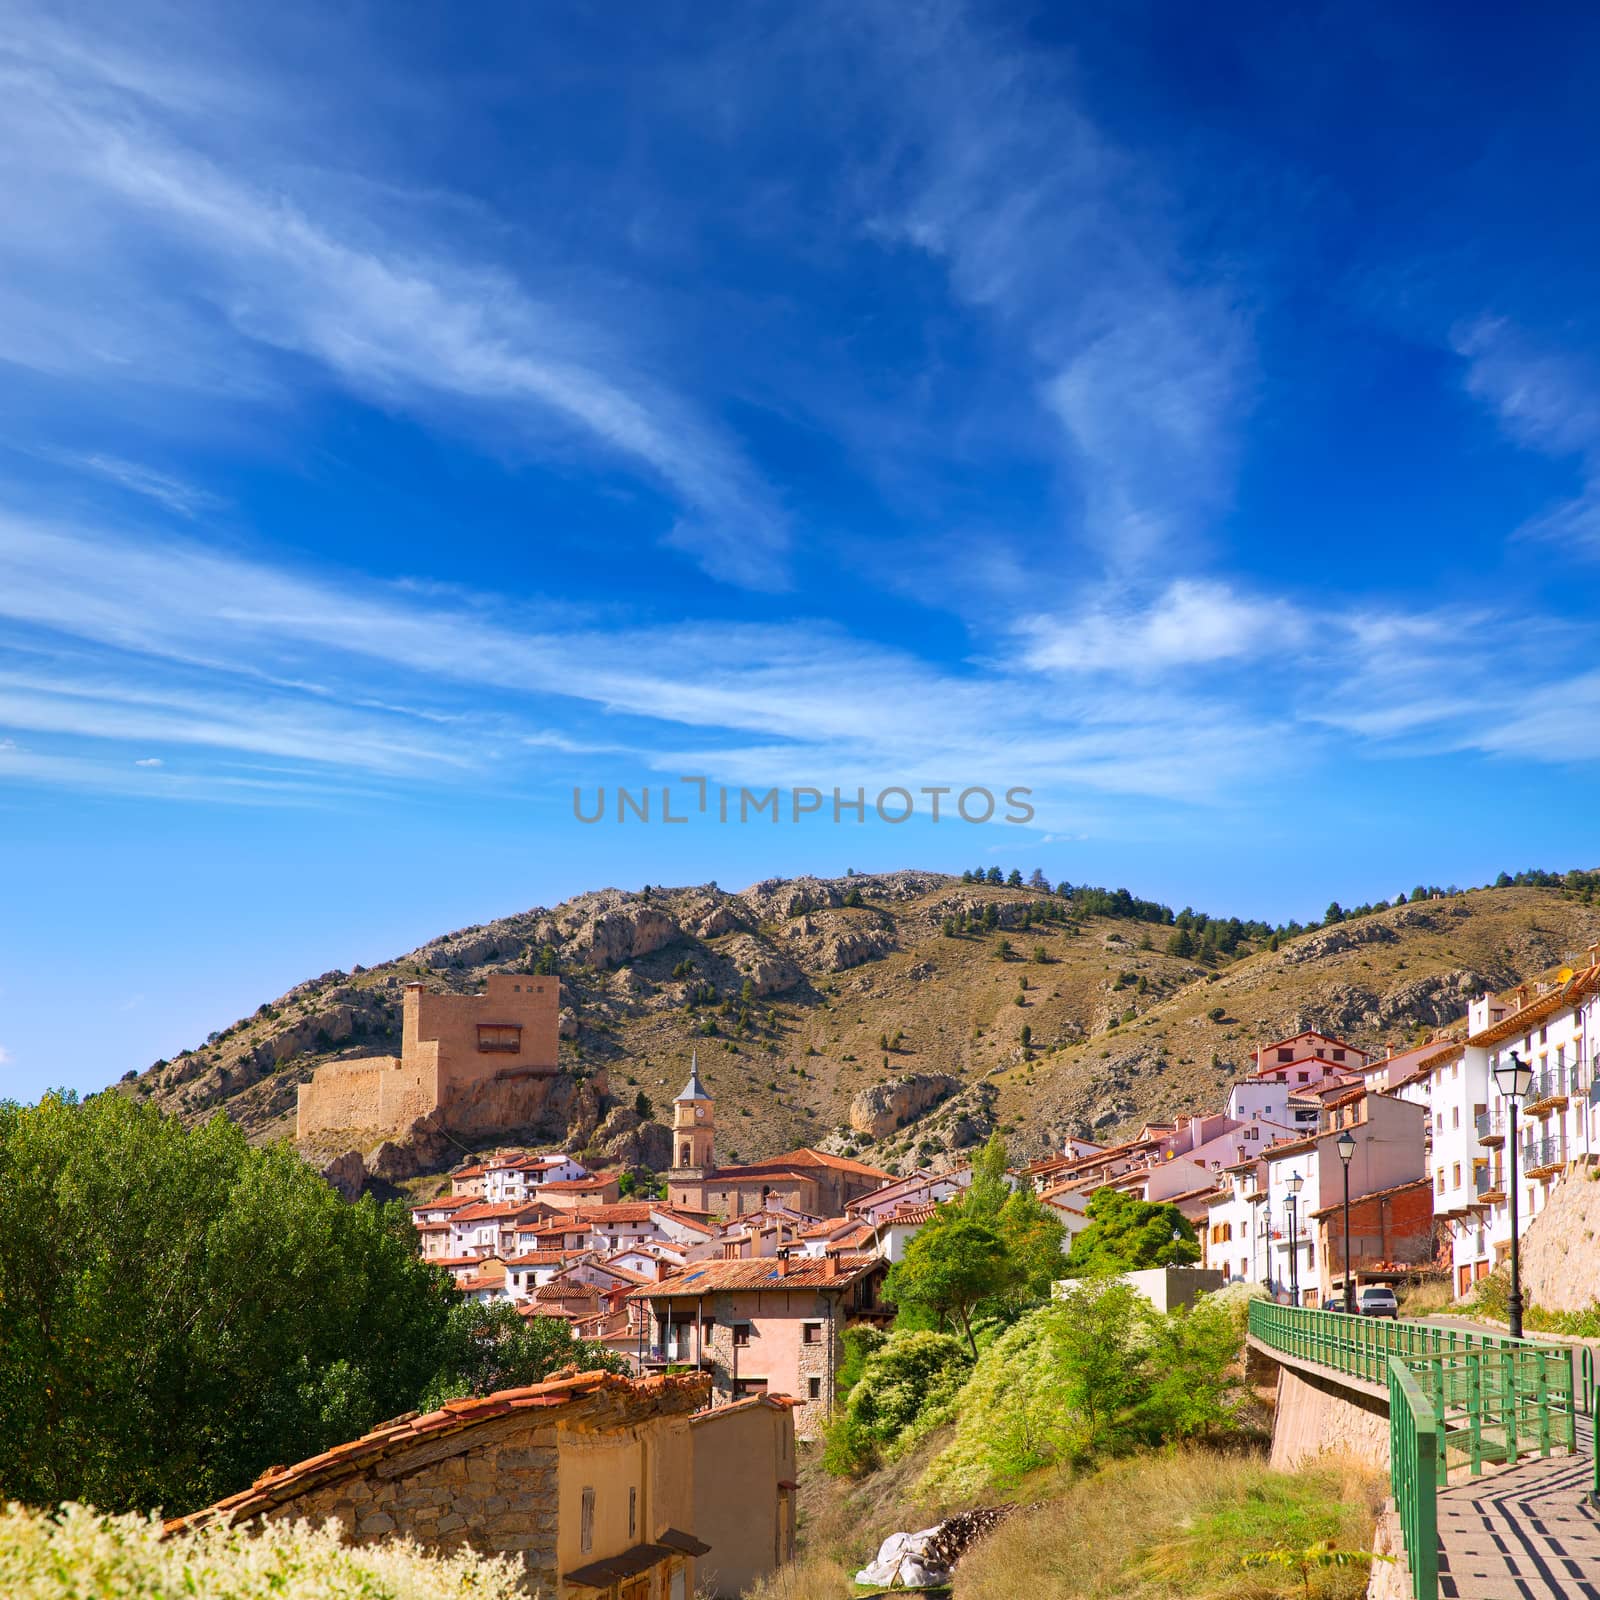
(468, 1057)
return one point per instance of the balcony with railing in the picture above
(1540, 1158)
(1491, 1127)
(1490, 1185)
(1549, 1091)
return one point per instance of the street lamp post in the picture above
(1293, 1184)
(1513, 1076)
(1345, 1144)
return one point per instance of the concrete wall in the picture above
(1316, 1415)
(1167, 1288)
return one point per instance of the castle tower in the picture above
(694, 1125)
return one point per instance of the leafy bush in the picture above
(77, 1552)
(1091, 1375)
(1126, 1234)
(907, 1386)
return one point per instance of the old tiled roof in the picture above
(486, 1211)
(763, 1273)
(1576, 988)
(619, 1211)
(1374, 1194)
(662, 1395)
(575, 1185)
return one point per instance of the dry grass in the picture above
(1175, 1526)
(809, 1578)
(843, 1521)
(1426, 1298)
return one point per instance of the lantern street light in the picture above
(1513, 1077)
(1345, 1144)
(1294, 1183)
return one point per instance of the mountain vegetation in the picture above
(904, 1016)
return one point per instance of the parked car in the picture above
(1377, 1300)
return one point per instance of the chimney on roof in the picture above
(783, 1261)
(830, 1264)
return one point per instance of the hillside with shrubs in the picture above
(904, 1016)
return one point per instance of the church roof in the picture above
(694, 1089)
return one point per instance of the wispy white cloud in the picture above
(5, 1056)
(1548, 401)
(186, 499)
(1191, 621)
(149, 761)
(1141, 358)
(106, 172)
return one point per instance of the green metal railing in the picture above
(1452, 1392)
(1414, 1477)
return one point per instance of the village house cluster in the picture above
(728, 1299)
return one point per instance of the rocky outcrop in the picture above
(1336, 940)
(629, 1140)
(768, 972)
(879, 1111)
(1561, 1249)
(837, 943)
(625, 934)
(347, 1174)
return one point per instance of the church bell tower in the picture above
(693, 1128)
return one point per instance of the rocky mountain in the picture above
(900, 1016)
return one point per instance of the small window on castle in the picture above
(741, 1335)
(586, 1522)
(811, 1332)
(813, 1388)
(499, 1036)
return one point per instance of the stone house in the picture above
(587, 1478)
(768, 1326)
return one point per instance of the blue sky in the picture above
(408, 415)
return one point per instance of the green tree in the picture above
(546, 964)
(1181, 943)
(179, 1310)
(1126, 1234)
(950, 1268)
(643, 1106)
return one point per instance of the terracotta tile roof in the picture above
(489, 1210)
(449, 1202)
(1576, 988)
(575, 1185)
(719, 1277)
(694, 1221)
(1374, 1194)
(910, 1216)
(540, 1258)
(659, 1395)
(619, 1211)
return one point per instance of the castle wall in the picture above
(470, 1056)
(511, 1000)
(343, 1094)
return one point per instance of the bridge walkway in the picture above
(1529, 1532)
(1511, 1422)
